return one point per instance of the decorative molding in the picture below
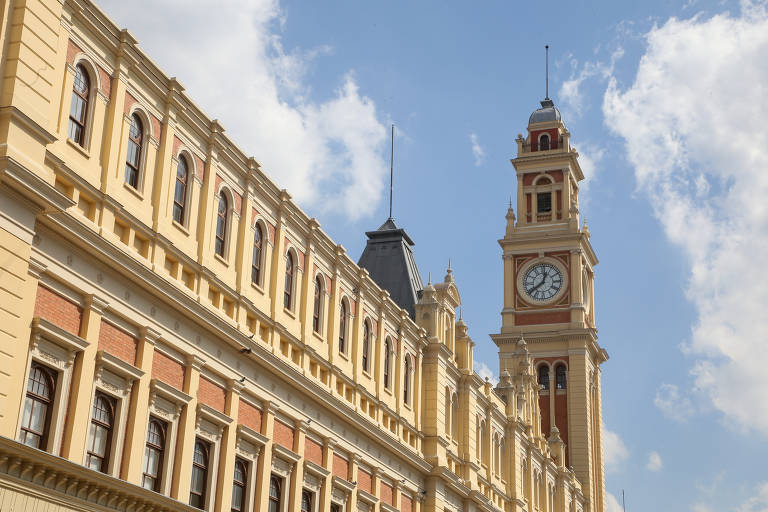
(105, 360)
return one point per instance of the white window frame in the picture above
(166, 404)
(209, 427)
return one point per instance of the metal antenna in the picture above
(391, 170)
(623, 503)
(546, 72)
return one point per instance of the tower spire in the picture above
(546, 71)
(391, 170)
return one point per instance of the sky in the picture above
(666, 103)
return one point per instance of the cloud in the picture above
(694, 132)
(672, 403)
(328, 153)
(758, 502)
(485, 371)
(612, 504)
(571, 94)
(477, 150)
(654, 462)
(615, 452)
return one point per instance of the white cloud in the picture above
(571, 93)
(615, 452)
(485, 371)
(477, 150)
(673, 404)
(328, 153)
(757, 503)
(654, 462)
(612, 504)
(694, 131)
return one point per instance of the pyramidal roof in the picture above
(388, 258)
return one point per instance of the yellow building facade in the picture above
(176, 334)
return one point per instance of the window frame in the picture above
(306, 493)
(241, 484)
(220, 242)
(558, 385)
(160, 449)
(278, 499)
(290, 281)
(48, 402)
(317, 305)
(542, 137)
(87, 98)
(204, 494)
(343, 325)
(106, 459)
(141, 143)
(407, 371)
(387, 373)
(257, 261)
(540, 371)
(183, 206)
(365, 359)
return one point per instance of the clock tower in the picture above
(549, 298)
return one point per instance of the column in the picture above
(297, 482)
(264, 469)
(352, 477)
(326, 490)
(185, 440)
(138, 413)
(226, 469)
(81, 389)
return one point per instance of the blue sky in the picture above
(665, 102)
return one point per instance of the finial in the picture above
(461, 313)
(546, 73)
(391, 170)
(510, 202)
(429, 278)
(449, 266)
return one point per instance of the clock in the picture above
(542, 281)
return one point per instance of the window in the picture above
(221, 224)
(133, 158)
(238, 486)
(274, 494)
(544, 376)
(407, 381)
(153, 455)
(318, 305)
(335, 507)
(78, 108)
(560, 376)
(544, 142)
(102, 424)
(343, 328)
(197, 490)
(387, 361)
(366, 344)
(180, 192)
(288, 293)
(544, 202)
(448, 412)
(36, 417)
(306, 501)
(256, 258)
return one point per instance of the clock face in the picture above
(542, 281)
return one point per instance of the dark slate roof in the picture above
(388, 258)
(547, 112)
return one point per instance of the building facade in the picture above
(176, 334)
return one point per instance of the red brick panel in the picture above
(249, 416)
(313, 451)
(106, 82)
(546, 425)
(386, 494)
(542, 318)
(561, 420)
(58, 310)
(200, 168)
(406, 504)
(340, 466)
(167, 370)
(157, 127)
(117, 342)
(364, 480)
(212, 394)
(72, 50)
(129, 102)
(556, 175)
(284, 435)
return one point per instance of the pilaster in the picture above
(185, 441)
(226, 467)
(264, 469)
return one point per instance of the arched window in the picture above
(560, 380)
(318, 304)
(102, 423)
(343, 327)
(35, 419)
(306, 501)
(496, 451)
(238, 486)
(135, 147)
(366, 344)
(455, 416)
(288, 293)
(78, 108)
(387, 362)
(199, 486)
(544, 142)
(407, 380)
(275, 498)
(258, 241)
(180, 190)
(448, 412)
(153, 455)
(544, 376)
(221, 224)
